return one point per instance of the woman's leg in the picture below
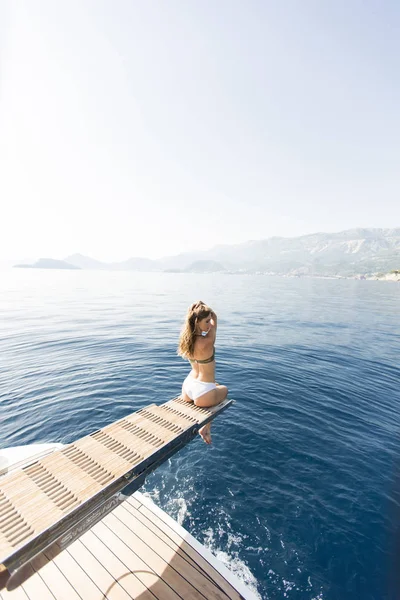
(211, 398)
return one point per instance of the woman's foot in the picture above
(205, 433)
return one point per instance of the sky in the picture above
(149, 128)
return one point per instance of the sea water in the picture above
(299, 493)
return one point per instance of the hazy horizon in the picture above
(26, 260)
(154, 129)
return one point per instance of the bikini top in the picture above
(203, 362)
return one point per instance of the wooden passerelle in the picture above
(50, 503)
(137, 551)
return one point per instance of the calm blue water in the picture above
(299, 493)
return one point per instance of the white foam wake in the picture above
(179, 508)
(230, 558)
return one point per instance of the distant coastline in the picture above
(352, 254)
(375, 277)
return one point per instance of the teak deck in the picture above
(49, 504)
(132, 553)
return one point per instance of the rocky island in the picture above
(48, 263)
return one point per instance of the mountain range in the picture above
(354, 252)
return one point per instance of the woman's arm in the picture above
(213, 324)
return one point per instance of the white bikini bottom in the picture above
(195, 388)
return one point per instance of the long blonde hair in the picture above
(196, 312)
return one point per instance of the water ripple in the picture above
(300, 494)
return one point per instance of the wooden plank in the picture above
(133, 442)
(133, 576)
(187, 548)
(186, 569)
(149, 416)
(17, 594)
(178, 419)
(35, 587)
(200, 413)
(134, 502)
(50, 482)
(79, 481)
(160, 523)
(57, 583)
(157, 429)
(111, 461)
(152, 558)
(138, 435)
(30, 502)
(188, 410)
(140, 429)
(93, 565)
(186, 416)
(157, 531)
(134, 505)
(154, 416)
(135, 417)
(76, 576)
(80, 460)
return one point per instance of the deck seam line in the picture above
(142, 559)
(64, 575)
(237, 584)
(101, 564)
(194, 549)
(123, 563)
(190, 561)
(84, 571)
(44, 583)
(180, 574)
(24, 591)
(104, 567)
(197, 567)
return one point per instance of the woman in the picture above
(196, 343)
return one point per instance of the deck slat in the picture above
(136, 444)
(198, 579)
(167, 573)
(153, 520)
(18, 594)
(157, 531)
(179, 544)
(35, 587)
(77, 577)
(105, 578)
(79, 481)
(57, 583)
(132, 572)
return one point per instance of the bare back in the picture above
(203, 350)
